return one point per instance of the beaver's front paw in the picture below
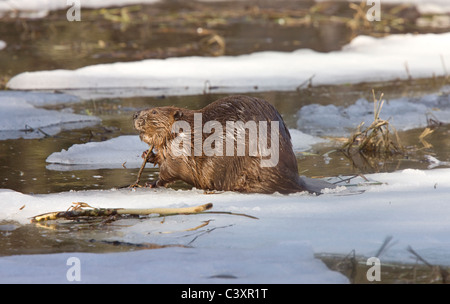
(151, 158)
(153, 184)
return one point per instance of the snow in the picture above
(122, 151)
(364, 59)
(423, 6)
(175, 266)
(20, 116)
(277, 247)
(40, 8)
(402, 113)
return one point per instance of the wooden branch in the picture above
(77, 212)
(146, 158)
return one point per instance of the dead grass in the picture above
(379, 139)
(355, 268)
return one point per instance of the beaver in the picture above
(235, 157)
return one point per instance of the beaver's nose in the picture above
(136, 115)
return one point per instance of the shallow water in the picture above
(24, 168)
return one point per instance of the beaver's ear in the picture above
(177, 114)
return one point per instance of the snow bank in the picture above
(40, 8)
(20, 118)
(402, 113)
(365, 59)
(423, 6)
(411, 206)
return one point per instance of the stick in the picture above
(95, 212)
(166, 211)
(147, 156)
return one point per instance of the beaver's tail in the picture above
(314, 185)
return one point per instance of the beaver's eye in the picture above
(154, 112)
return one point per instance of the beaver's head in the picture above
(155, 124)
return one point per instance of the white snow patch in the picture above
(365, 59)
(113, 153)
(20, 118)
(402, 113)
(411, 206)
(40, 8)
(423, 6)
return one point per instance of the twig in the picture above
(383, 246)
(232, 213)
(445, 68)
(138, 179)
(205, 223)
(307, 81)
(442, 271)
(207, 231)
(407, 70)
(418, 256)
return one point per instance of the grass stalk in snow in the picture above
(377, 139)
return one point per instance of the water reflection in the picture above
(24, 168)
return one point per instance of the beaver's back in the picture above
(245, 173)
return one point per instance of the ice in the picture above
(402, 113)
(174, 266)
(411, 206)
(40, 8)
(364, 59)
(114, 153)
(20, 117)
(423, 6)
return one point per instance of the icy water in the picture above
(169, 30)
(24, 167)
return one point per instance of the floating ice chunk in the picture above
(114, 153)
(19, 118)
(303, 142)
(402, 113)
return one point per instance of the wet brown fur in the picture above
(228, 173)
